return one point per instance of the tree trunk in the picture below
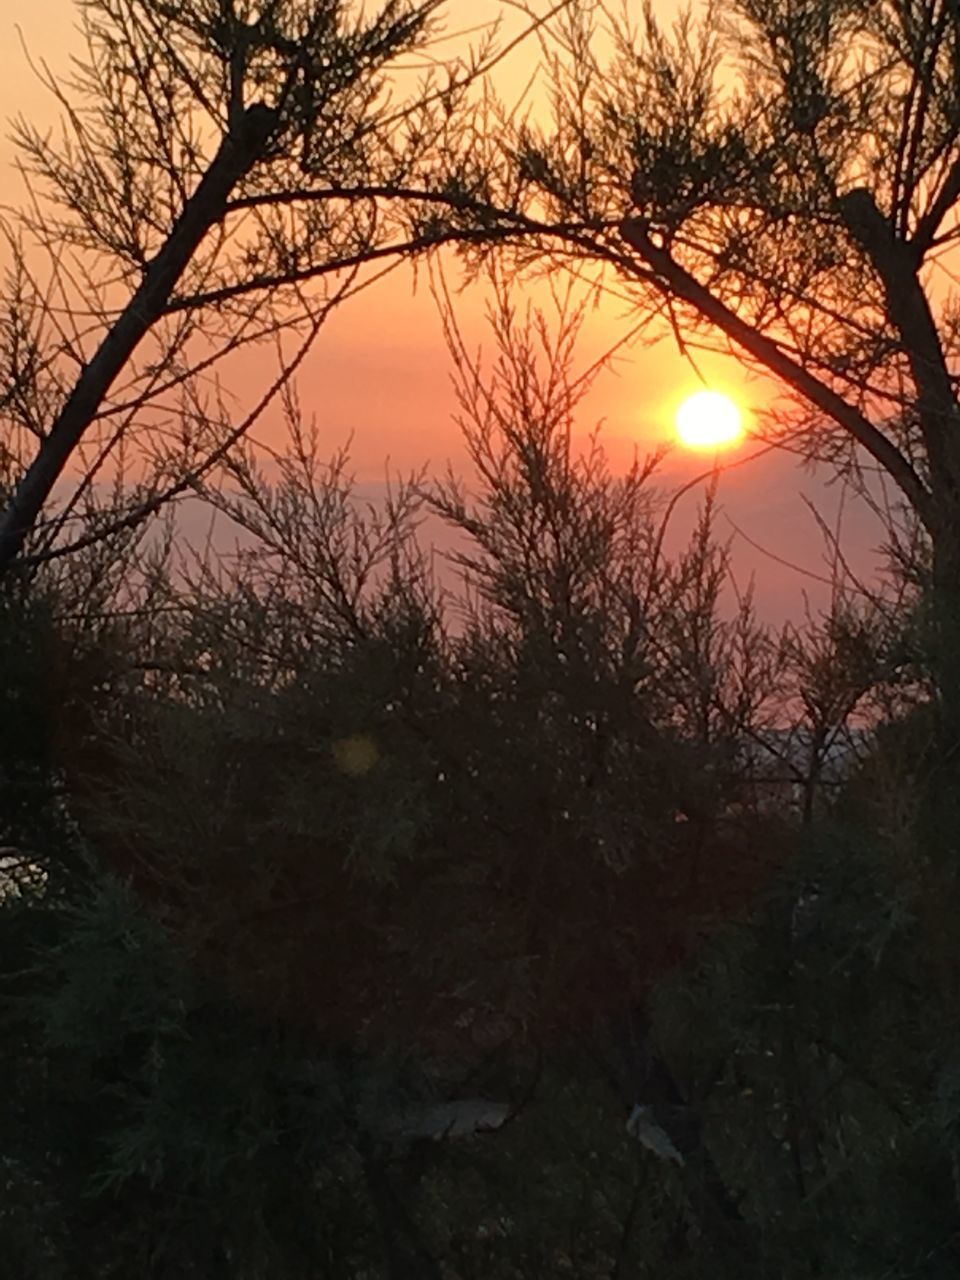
(944, 641)
(235, 157)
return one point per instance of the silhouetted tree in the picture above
(781, 178)
(470, 934)
(225, 172)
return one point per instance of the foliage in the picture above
(308, 852)
(225, 175)
(415, 852)
(779, 180)
(560, 769)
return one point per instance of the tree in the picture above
(349, 737)
(781, 178)
(463, 831)
(225, 172)
(431, 899)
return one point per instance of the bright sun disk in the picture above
(709, 420)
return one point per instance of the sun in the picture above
(709, 420)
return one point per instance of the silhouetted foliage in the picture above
(556, 918)
(227, 173)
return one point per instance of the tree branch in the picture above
(896, 264)
(674, 279)
(234, 158)
(922, 240)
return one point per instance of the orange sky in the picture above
(380, 369)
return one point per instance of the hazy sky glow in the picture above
(380, 370)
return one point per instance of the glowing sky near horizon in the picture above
(380, 371)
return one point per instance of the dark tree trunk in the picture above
(235, 157)
(943, 613)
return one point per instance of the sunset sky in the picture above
(380, 370)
